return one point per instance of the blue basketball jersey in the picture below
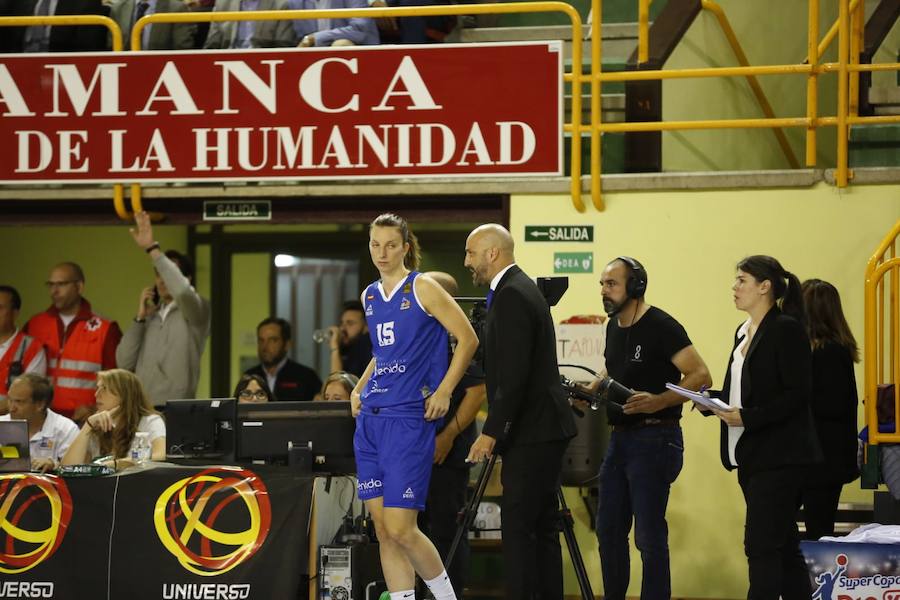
(410, 348)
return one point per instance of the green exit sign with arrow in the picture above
(559, 233)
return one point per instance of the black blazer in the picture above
(526, 403)
(69, 38)
(776, 388)
(295, 382)
(834, 406)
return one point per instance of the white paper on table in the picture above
(701, 398)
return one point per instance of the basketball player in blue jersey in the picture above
(399, 400)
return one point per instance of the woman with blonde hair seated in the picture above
(339, 386)
(123, 410)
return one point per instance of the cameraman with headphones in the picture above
(645, 349)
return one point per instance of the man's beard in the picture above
(272, 362)
(611, 308)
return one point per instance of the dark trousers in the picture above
(446, 498)
(639, 468)
(820, 508)
(771, 539)
(529, 513)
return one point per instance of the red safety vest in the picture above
(32, 348)
(74, 358)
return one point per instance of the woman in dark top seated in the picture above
(252, 388)
(834, 405)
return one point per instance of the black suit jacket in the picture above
(67, 38)
(834, 406)
(776, 387)
(527, 404)
(295, 382)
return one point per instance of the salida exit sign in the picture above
(559, 233)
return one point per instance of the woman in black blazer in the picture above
(834, 405)
(768, 434)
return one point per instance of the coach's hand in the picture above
(436, 405)
(482, 449)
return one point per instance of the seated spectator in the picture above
(287, 379)
(414, 30)
(252, 389)
(44, 38)
(250, 34)
(50, 434)
(19, 353)
(339, 386)
(357, 31)
(156, 36)
(123, 410)
(351, 347)
(164, 344)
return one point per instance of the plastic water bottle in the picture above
(321, 336)
(140, 447)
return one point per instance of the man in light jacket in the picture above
(164, 345)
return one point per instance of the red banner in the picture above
(391, 111)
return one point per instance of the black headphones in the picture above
(636, 284)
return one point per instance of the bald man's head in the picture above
(445, 280)
(489, 250)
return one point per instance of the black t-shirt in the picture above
(461, 444)
(356, 355)
(640, 357)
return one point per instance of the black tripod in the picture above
(565, 522)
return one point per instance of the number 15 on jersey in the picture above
(385, 333)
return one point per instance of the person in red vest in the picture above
(19, 353)
(79, 343)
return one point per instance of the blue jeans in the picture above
(635, 477)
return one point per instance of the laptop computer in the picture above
(15, 453)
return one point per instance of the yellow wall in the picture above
(115, 269)
(250, 286)
(770, 32)
(690, 241)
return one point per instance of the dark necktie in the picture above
(141, 11)
(489, 297)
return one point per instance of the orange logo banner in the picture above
(186, 515)
(21, 499)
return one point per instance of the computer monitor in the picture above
(201, 429)
(264, 431)
(15, 453)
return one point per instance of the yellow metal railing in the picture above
(881, 358)
(847, 70)
(848, 29)
(116, 37)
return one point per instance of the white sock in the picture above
(404, 595)
(440, 587)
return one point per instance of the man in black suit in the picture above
(287, 379)
(68, 38)
(529, 419)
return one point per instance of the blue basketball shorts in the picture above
(394, 456)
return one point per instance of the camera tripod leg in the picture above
(567, 526)
(466, 517)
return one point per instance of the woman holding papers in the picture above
(834, 405)
(767, 433)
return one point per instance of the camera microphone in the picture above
(614, 391)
